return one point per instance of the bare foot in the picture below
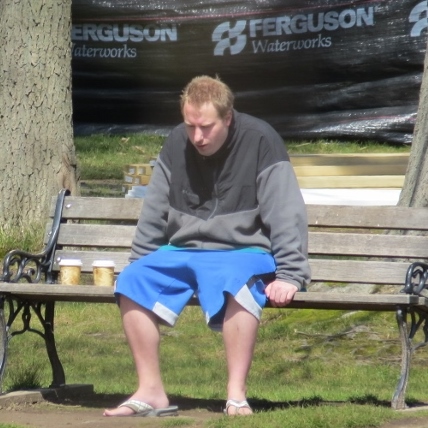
(119, 411)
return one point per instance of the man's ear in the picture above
(228, 118)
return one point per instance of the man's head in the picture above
(205, 89)
(207, 105)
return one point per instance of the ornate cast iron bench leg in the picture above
(58, 375)
(4, 339)
(46, 319)
(415, 284)
(418, 318)
(398, 399)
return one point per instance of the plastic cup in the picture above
(69, 271)
(103, 271)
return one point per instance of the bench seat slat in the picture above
(367, 302)
(60, 293)
(90, 293)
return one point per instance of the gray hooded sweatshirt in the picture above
(244, 195)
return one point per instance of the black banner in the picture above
(313, 69)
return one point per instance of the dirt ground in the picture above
(73, 413)
(32, 411)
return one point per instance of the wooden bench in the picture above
(348, 245)
(368, 170)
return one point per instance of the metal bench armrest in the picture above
(416, 279)
(21, 265)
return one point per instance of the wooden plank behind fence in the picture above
(375, 170)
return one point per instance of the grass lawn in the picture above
(104, 157)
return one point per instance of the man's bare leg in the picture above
(142, 332)
(239, 334)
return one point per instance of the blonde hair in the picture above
(204, 89)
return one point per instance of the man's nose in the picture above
(198, 134)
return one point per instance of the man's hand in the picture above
(280, 293)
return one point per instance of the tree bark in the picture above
(37, 154)
(415, 188)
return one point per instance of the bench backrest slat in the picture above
(357, 244)
(382, 217)
(96, 235)
(320, 243)
(376, 217)
(323, 270)
(355, 271)
(100, 208)
(121, 258)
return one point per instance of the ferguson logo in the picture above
(123, 33)
(232, 34)
(232, 38)
(419, 16)
(111, 40)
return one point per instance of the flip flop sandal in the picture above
(142, 409)
(238, 405)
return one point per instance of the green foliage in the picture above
(344, 416)
(341, 147)
(10, 426)
(176, 422)
(103, 157)
(27, 378)
(27, 237)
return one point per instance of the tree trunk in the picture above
(415, 188)
(37, 154)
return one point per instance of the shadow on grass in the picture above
(216, 406)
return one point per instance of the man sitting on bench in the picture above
(224, 219)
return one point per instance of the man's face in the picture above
(205, 129)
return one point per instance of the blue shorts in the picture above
(166, 279)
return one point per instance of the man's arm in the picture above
(283, 212)
(151, 227)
